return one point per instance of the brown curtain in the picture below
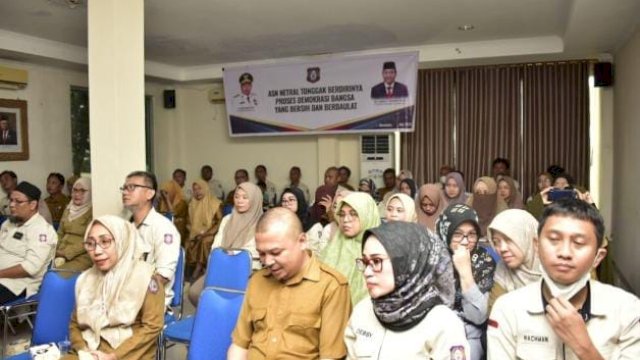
(488, 119)
(430, 145)
(556, 120)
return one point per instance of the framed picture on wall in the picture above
(14, 134)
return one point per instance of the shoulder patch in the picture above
(457, 353)
(153, 286)
(43, 238)
(334, 273)
(168, 239)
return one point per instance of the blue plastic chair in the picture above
(57, 301)
(178, 289)
(227, 270)
(215, 319)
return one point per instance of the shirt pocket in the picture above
(259, 323)
(302, 332)
(535, 352)
(364, 348)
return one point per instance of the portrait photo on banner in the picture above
(14, 137)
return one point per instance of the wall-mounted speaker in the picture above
(169, 99)
(603, 74)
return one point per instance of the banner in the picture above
(346, 94)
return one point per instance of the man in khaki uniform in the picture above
(566, 315)
(27, 244)
(295, 307)
(57, 201)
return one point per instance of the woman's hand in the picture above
(326, 201)
(99, 355)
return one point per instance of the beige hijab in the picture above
(75, 211)
(432, 192)
(407, 203)
(241, 226)
(521, 228)
(201, 212)
(107, 303)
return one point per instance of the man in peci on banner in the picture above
(389, 88)
(245, 98)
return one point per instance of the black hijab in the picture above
(303, 211)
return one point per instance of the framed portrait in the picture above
(14, 134)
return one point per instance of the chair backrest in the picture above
(178, 283)
(57, 301)
(228, 269)
(214, 321)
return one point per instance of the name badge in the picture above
(18, 235)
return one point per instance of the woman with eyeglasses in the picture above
(70, 251)
(473, 267)
(410, 280)
(119, 304)
(356, 213)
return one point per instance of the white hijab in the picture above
(75, 211)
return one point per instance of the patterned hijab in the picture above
(407, 203)
(422, 272)
(241, 226)
(462, 195)
(482, 265)
(370, 184)
(521, 228)
(434, 194)
(341, 252)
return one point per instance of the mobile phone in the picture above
(557, 194)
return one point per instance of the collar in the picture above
(311, 271)
(390, 85)
(587, 311)
(145, 220)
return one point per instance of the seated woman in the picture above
(455, 189)
(410, 280)
(356, 213)
(430, 204)
(293, 199)
(367, 185)
(119, 304)
(508, 192)
(237, 230)
(512, 233)
(408, 186)
(205, 215)
(458, 227)
(485, 202)
(401, 207)
(319, 235)
(70, 251)
(535, 205)
(172, 203)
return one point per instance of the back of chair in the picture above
(178, 283)
(228, 269)
(215, 319)
(57, 301)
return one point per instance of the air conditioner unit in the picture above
(13, 79)
(216, 93)
(376, 155)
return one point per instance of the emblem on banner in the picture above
(313, 74)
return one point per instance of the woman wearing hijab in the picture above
(512, 233)
(430, 205)
(535, 205)
(508, 192)
(408, 186)
(293, 199)
(319, 235)
(486, 202)
(172, 202)
(410, 281)
(237, 230)
(357, 212)
(318, 211)
(473, 268)
(119, 304)
(205, 215)
(401, 207)
(454, 189)
(367, 185)
(70, 251)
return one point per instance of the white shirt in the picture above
(161, 243)
(30, 245)
(216, 188)
(518, 328)
(439, 336)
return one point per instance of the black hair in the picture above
(345, 169)
(504, 161)
(10, 173)
(389, 171)
(565, 176)
(206, 167)
(148, 177)
(555, 170)
(59, 176)
(296, 168)
(244, 171)
(576, 209)
(184, 173)
(261, 167)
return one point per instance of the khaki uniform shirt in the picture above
(56, 205)
(161, 244)
(518, 328)
(303, 318)
(71, 241)
(30, 245)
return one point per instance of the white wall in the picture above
(48, 109)
(626, 177)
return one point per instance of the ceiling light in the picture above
(466, 27)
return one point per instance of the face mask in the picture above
(565, 291)
(443, 179)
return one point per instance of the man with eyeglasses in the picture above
(161, 240)
(27, 244)
(295, 307)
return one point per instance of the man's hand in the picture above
(568, 324)
(326, 201)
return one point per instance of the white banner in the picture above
(346, 94)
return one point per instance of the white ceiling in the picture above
(189, 35)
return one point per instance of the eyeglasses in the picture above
(103, 242)
(18, 202)
(458, 236)
(132, 187)
(351, 214)
(74, 190)
(375, 263)
(289, 200)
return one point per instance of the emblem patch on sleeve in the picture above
(457, 353)
(153, 286)
(168, 239)
(43, 238)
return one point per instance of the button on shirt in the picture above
(30, 245)
(303, 318)
(518, 328)
(161, 243)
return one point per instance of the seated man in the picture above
(566, 315)
(27, 244)
(57, 201)
(295, 307)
